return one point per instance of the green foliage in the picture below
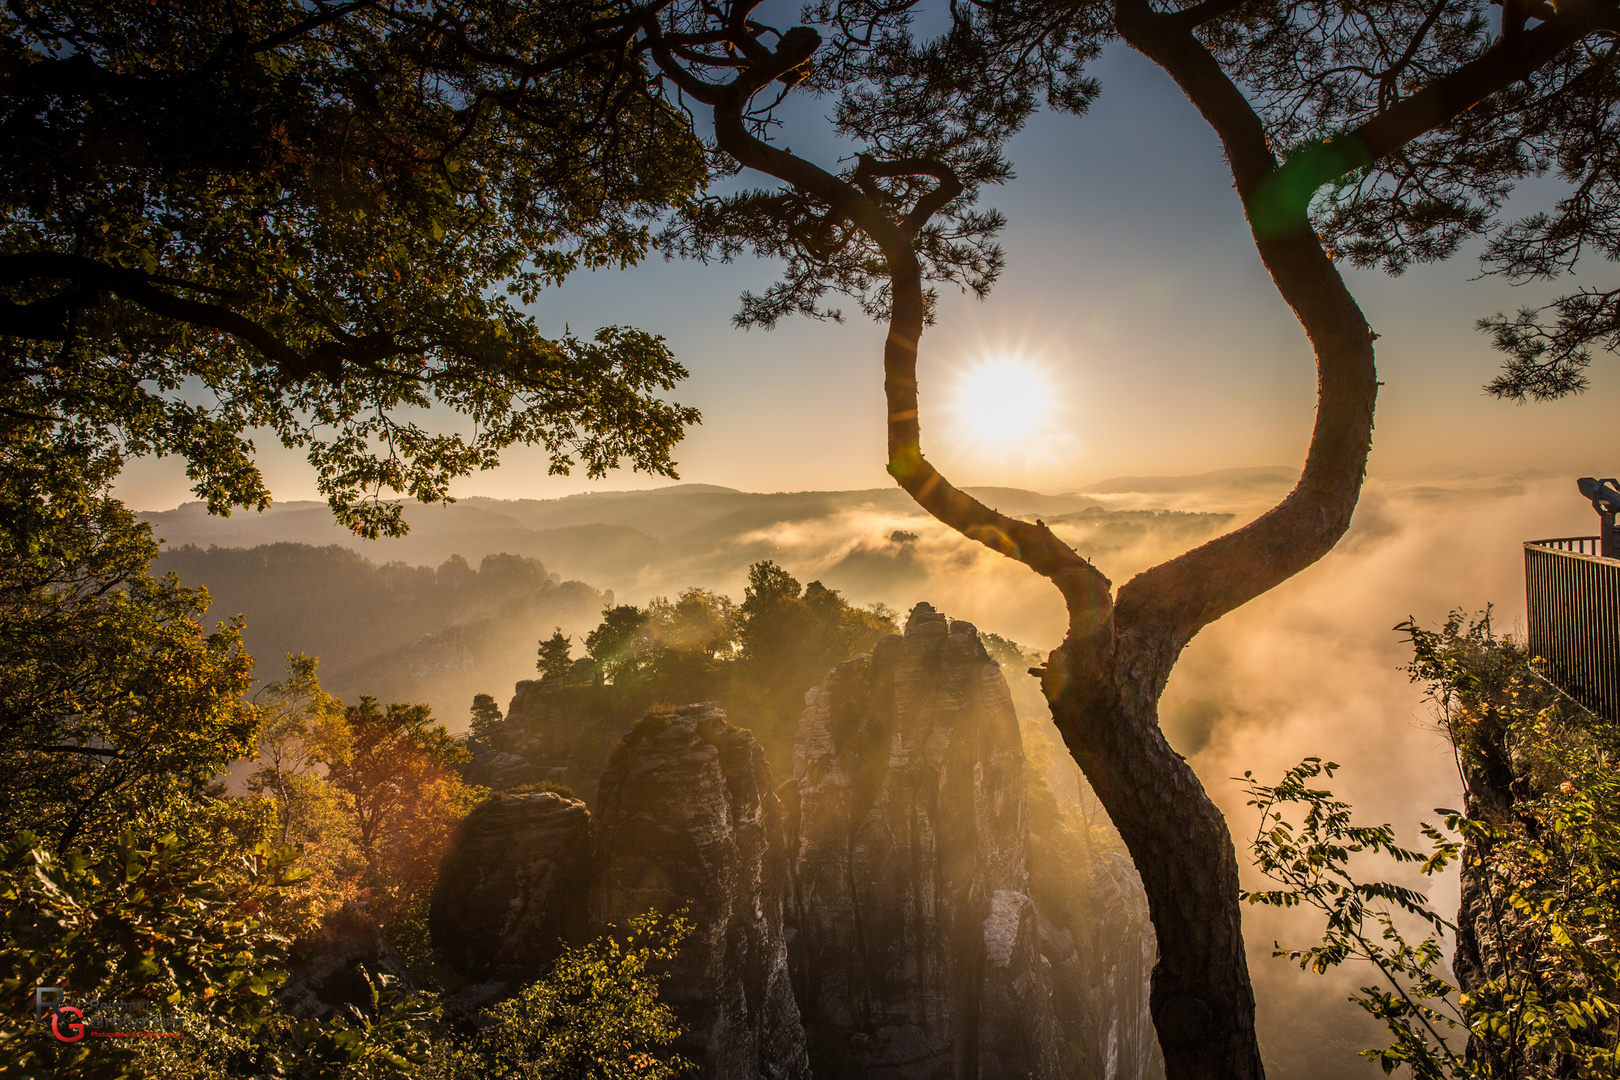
(312, 815)
(383, 759)
(788, 633)
(392, 1039)
(700, 622)
(485, 716)
(395, 769)
(1499, 714)
(326, 219)
(367, 794)
(115, 703)
(621, 642)
(695, 644)
(1540, 859)
(595, 1016)
(175, 923)
(757, 658)
(1310, 861)
(555, 656)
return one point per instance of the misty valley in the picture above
(440, 640)
(889, 866)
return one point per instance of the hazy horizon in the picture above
(1313, 667)
(1131, 281)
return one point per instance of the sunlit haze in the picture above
(1004, 402)
(1131, 279)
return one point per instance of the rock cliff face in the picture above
(687, 819)
(513, 886)
(1113, 967)
(869, 920)
(561, 733)
(917, 954)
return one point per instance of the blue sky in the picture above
(1130, 278)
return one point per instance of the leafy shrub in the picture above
(1539, 849)
(595, 1016)
(172, 923)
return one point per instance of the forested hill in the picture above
(394, 631)
(873, 545)
(595, 537)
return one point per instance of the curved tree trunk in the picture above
(1105, 681)
(1201, 999)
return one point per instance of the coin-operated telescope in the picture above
(1605, 496)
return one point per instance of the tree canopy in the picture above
(1382, 134)
(318, 219)
(114, 699)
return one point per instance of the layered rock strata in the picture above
(333, 969)
(513, 887)
(918, 948)
(871, 919)
(687, 820)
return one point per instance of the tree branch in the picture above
(90, 751)
(1168, 604)
(1206, 12)
(1509, 60)
(1162, 608)
(46, 319)
(1085, 589)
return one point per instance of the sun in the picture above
(1004, 401)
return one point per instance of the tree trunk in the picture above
(1201, 1000)
(1105, 681)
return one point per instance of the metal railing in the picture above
(1572, 599)
(1576, 545)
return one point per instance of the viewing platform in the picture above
(1572, 602)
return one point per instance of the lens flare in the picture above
(1005, 401)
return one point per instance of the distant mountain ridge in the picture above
(586, 535)
(667, 514)
(876, 543)
(1247, 477)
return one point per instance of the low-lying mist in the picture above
(1314, 668)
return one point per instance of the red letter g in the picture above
(75, 1028)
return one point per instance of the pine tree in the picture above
(486, 715)
(554, 661)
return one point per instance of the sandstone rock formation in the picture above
(500, 771)
(562, 733)
(513, 887)
(686, 819)
(871, 919)
(1100, 982)
(327, 971)
(918, 949)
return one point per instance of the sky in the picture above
(1131, 285)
